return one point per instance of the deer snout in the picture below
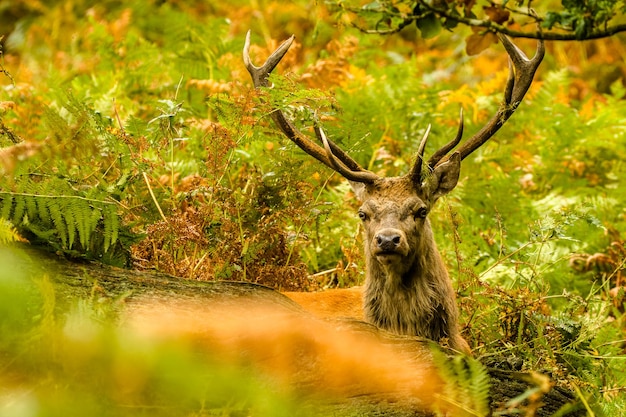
(388, 241)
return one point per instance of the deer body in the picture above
(407, 289)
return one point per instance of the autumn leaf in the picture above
(478, 42)
(497, 14)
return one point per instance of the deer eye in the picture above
(421, 213)
(362, 215)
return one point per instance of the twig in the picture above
(156, 203)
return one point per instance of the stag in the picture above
(407, 288)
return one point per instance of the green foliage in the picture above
(71, 203)
(82, 362)
(570, 20)
(583, 18)
(466, 386)
(53, 213)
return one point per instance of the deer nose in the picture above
(388, 240)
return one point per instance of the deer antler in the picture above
(416, 171)
(521, 73)
(331, 155)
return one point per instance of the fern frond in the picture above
(7, 204)
(95, 218)
(56, 207)
(466, 386)
(42, 213)
(70, 221)
(19, 211)
(478, 385)
(82, 212)
(111, 226)
(31, 207)
(53, 212)
(8, 233)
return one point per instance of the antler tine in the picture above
(416, 171)
(330, 158)
(347, 172)
(523, 69)
(337, 152)
(443, 151)
(260, 74)
(521, 73)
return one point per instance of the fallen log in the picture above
(335, 367)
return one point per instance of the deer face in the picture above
(394, 214)
(393, 228)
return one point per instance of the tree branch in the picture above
(496, 27)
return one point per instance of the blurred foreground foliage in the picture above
(130, 134)
(84, 363)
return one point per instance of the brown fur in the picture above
(336, 302)
(407, 289)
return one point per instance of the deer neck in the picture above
(412, 274)
(408, 297)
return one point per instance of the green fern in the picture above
(5, 211)
(111, 226)
(70, 222)
(18, 207)
(64, 217)
(55, 210)
(466, 386)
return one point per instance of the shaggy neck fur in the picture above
(413, 296)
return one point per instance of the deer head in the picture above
(407, 287)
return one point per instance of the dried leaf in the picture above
(497, 14)
(476, 43)
(467, 6)
(6, 105)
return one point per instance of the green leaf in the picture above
(429, 25)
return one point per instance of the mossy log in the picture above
(356, 368)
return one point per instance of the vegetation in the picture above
(569, 20)
(130, 133)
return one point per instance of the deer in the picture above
(407, 289)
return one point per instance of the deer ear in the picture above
(443, 178)
(359, 189)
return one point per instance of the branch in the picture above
(550, 36)
(496, 27)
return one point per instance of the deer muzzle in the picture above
(388, 244)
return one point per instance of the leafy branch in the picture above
(575, 21)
